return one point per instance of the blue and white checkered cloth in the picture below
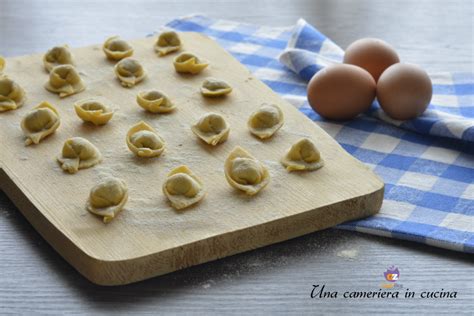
(450, 114)
(429, 193)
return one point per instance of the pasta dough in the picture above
(155, 101)
(265, 121)
(58, 55)
(12, 96)
(108, 198)
(40, 122)
(189, 63)
(303, 155)
(212, 128)
(144, 141)
(64, 80)
(183, 188)
(93, 111)
(167, 42)
(130, 72)
(2, 64)
(78, 153)
(212, 87)
(244, 172)
(116, 48)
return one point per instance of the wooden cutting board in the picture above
(149, 238)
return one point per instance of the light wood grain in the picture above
(150, 238)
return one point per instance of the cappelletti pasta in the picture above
(244, 172)
(265, 121)
(40, 122)
(167, 42)
(155, 101)
(144, 141)
(65, 81)
(108, 198)
(212, 87)
(78, 153)
(94, 111)
(303, 155)
(183, 188)
(189, 63)
(212, 129)
(58, 55)
(130, 72)
(12, 96)
(116, 48)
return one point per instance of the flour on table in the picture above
(350, 254)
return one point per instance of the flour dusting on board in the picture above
(276, 170)
(297, 133)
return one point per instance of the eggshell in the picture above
(372, 54)
(404, 91)
(341, 92)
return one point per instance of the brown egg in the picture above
(341, 92)
(374, 55)
(404, 91)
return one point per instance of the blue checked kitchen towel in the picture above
(427, 163)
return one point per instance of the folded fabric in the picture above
(450, 114)
(429, 195)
